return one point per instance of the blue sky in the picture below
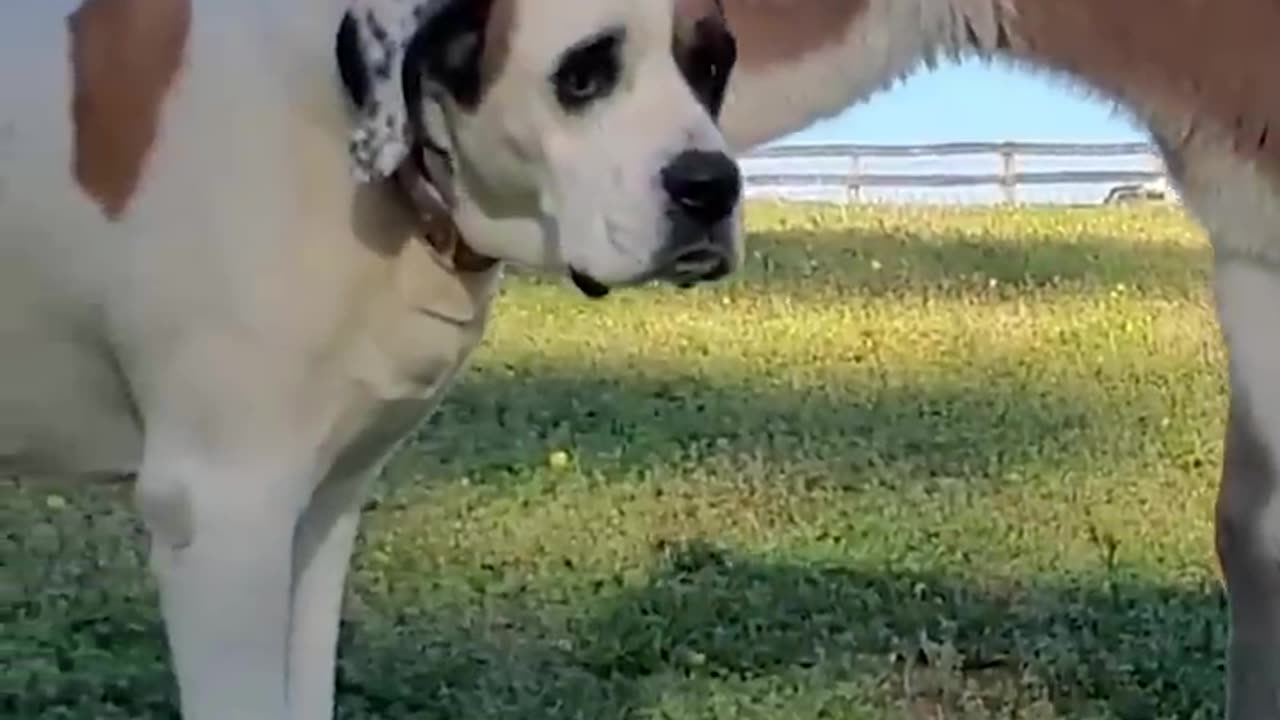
(975, 101)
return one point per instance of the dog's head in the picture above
(582, 135)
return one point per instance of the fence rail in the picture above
(1009, 178)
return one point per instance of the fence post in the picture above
(1008, 175)
(1158, 165)
(853, 187)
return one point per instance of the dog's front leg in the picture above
(325, 536)
(222, 535)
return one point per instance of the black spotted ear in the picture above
(447, 52)
(395, 55)
(351, 65)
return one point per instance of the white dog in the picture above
(194, 290)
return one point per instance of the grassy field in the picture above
(909, 464)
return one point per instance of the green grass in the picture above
(908, 464)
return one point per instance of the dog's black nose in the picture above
(705, 185)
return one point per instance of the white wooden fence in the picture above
(851, 171)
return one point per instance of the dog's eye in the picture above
(580, 86)
(588, 71)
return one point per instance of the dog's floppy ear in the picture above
(446, 48)
(447, 51)
(396, 55)
(351, 64)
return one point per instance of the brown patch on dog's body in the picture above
(125, 58)
(779, 31)
(1181, 65)
(1176, 62)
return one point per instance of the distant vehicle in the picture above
(1153, 191)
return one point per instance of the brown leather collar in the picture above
(436, 222)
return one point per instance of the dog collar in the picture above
(432, 207)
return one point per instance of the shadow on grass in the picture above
(843, 266)
(83, 640)
(877, 264)
(710, 628)
(499, 422)
(728, 629)
(1114, 645)
(862, 262)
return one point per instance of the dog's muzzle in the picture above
(690, 265)
(698, 265)
(704, 188)
(706, 262)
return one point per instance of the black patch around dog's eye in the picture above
(351, 67)
(589, 70)
(448, 51)
(707, 61)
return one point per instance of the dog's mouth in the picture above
(690, 267)
(701, 264)
(589, 286)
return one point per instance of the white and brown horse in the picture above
(1201, 76)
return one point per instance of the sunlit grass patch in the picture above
(909, 463)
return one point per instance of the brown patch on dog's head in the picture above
(125, 57)
(705, 50)
(778, 31)
(689, 13)
(497, 40)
